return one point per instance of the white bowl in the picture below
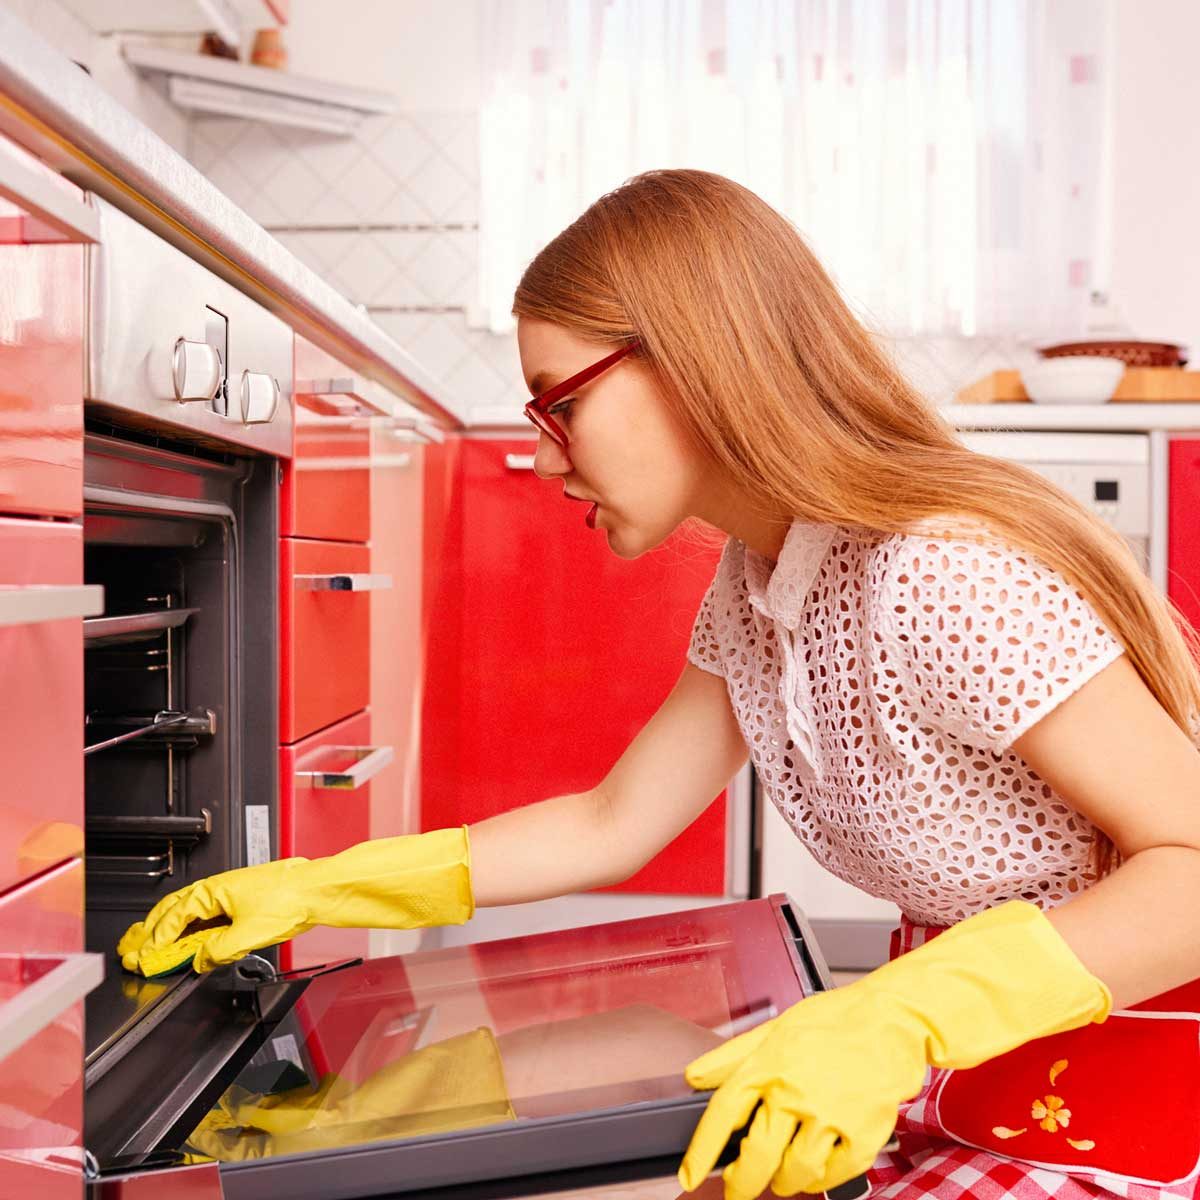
(1073, 379)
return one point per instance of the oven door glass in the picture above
(502, 1058)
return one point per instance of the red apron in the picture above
(1115, 1105)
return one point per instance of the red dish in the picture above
(1132, 353)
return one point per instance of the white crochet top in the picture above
(880, 680)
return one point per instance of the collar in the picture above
(778, 590)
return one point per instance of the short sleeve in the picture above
(710, 632)
(981, 639)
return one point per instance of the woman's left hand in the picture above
(829, 1074)
(827, 1077)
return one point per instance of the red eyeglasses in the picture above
(539, 409)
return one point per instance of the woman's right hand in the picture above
(390, 883)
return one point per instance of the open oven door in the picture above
(504, 1068)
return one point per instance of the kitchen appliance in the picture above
(1110, 473)
(593, 1027)
(187, 404)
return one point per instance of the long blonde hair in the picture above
(785, 392)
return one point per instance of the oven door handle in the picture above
(50, 602)
(51, 215)
(343, 583)
(373, 759)
(46, 999)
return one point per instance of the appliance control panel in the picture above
(175, 346)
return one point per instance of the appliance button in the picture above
(260, 397)
(195, 370)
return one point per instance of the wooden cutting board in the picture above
(1139, 385)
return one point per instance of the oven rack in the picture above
(169, 727)
(121, 630)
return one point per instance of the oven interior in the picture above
(180, 721)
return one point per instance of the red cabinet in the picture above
(43, 979)
(1183, 525)
(326, 485)
(41, 338)
(339, 614)
(547, 653)
(324, 649)
(41, 702)
(325, 807)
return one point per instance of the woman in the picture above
(953, 681)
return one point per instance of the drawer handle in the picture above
(373, 759)
(344, 583)
(43, 1001)
(338, 398)
(421, 427)
(52, 216)
(519, 462)
(52, 602)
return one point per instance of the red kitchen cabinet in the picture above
(41, 337)
(398, 553)
(324, 649)
(44, 977)
(325, 807)
(41, 702)
(547, 654)
(1183, 528)
(326, 485)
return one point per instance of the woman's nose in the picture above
(550, 459)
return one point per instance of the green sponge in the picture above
(154, 964)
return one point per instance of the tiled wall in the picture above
(389, 217)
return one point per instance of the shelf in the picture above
(230, 19)
(202, 83)
(135, 627)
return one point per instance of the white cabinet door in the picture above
(851, 927)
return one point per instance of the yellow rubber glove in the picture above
(831, 1072)
(455, 1084)
(391, 883)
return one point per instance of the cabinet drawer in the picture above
(41, 396)
(327, 485)
(325, 617)
(41, 335)
(41, 702)
(325, 807)
(41, 1075)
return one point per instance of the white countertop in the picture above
(1101, 417)
(55, 109)
(1068, 417)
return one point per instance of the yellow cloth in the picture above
(390, 883)
(455, 1084)
(831, 1072)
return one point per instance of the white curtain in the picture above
(946, 159)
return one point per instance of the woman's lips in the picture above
(591, 516)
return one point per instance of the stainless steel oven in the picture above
(188, 405)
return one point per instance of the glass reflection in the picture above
(503, 1031)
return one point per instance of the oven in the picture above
(188, 406)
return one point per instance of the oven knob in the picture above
(260, 397)
(195, 370)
